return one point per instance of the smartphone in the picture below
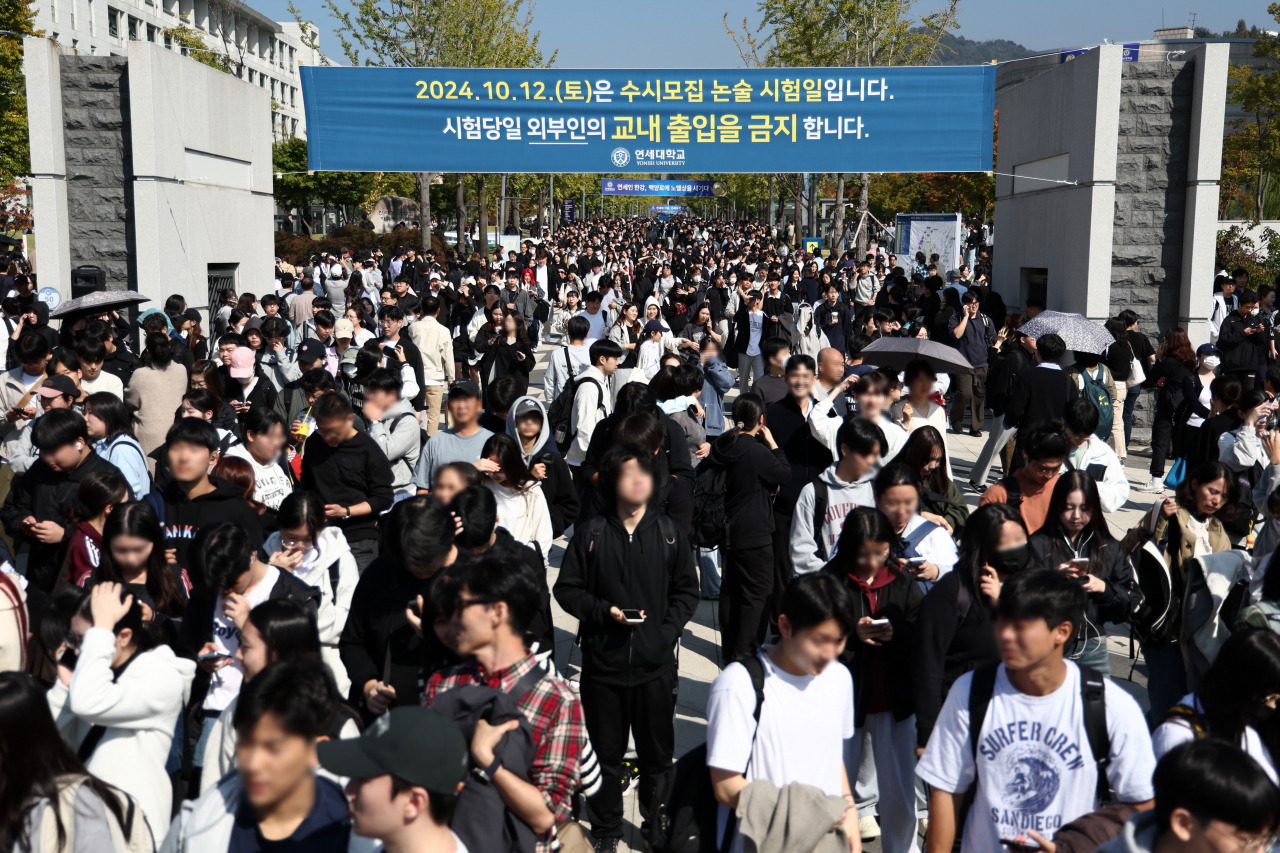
(68, 659)
(916, 562)
(879, 622)
(1080, 564)
(632, 617)
(1020, 846)
(214, 656)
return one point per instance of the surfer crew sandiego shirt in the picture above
(1035, 767)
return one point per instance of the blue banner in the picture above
(627, 186)
(668, 208)
(932, 119)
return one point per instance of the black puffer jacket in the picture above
(637, 570)
(1113, 569)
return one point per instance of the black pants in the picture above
(1161, 433)
(746, 587)
(783, 569)
(647, 712)
(581, 485)
(365, 551)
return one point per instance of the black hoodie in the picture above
(754, 474)
(637, 570)
(184, 518)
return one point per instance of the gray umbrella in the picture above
(99, 300)
(897, 353)
(1077, 332)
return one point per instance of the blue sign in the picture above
(627, 186)
(567, 211)
(49, 296)
(668, 208)
(643, 120)
(1129, 53)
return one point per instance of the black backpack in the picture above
(561, 411)
(821, 498)
(1093, 695)
(710, 527)
(684, 810)
(1155, 608)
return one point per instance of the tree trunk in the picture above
(814, 229)
(462, 217)
(542, 203)
(771, 198)
(861, 239)
(424, 208)
(482, 217)
(796, 211)
(837, 229)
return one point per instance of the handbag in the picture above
(1136, 374)
(1177, 473)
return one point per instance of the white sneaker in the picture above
(1155, 484)
(868, 828)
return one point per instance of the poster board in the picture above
(929, 233)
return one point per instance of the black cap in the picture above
(191, 314)
(418, 745)
(310, 350)
(466, 388)
(58, 386)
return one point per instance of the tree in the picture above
(17, 19)
(15, 214)
(433, 33)
(1256, 89)
(843, 33)
(191, 43)
(229, 24)
(295, 187)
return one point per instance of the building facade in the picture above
(260, 51)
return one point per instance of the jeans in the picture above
(1092, 653)
(1000, 436)
(1130, 400)
(750, 368)
(709, 571)
(893, 746)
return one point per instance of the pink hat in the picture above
(242, 363)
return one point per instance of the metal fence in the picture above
(220, 283)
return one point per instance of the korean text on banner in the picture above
(627, 121)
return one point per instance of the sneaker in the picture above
(868, 828)
(976, 487)
(976, 433)
(605, 845)
(1155, 484)
(630, 777)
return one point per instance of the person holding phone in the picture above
(505, 350)
(1077, 541)
(924, 549)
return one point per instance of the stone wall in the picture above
(1151, 193)
(95, 103)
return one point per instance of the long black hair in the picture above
(863, 524)
(510, 460)
(918, 453)
(748, 409)
(113, 413)
(1097, 532)
(981, 533)
(139, 520)
(287, 627)
(33, 756)
(1233, 689)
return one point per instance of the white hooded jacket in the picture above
(140, 711)
(842, 499)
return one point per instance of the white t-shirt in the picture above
(1169, 734)
(598, 321)
(108, 382)
(225, 684)
(756, 319)
(803, 724)
(1038, 771)
(270, 484)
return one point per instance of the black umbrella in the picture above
(897, 353)
(99, 300)
(6, 240)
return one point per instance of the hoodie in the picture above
(558, 489)
(330, 567)
(139, 706)
(399, 436)
(185, 517)
(754, 473)
(628, 570)
(810, 552)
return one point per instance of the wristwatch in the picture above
(487, 773)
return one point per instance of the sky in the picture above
(691, 33)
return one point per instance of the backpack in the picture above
(1095, 391)
(683, 812)
(1093, 695)
(821, 498)
(710, 527)
(561, 412)
(1153, 612)
(131, 836)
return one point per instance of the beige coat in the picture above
(11, 393)
(155, 395)
(433, 341)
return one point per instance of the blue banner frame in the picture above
(631, 121)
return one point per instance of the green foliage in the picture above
(300, 189)
(958, 50)
(192, 44)
(17, 19)
(1256, 90)
(1236, 250)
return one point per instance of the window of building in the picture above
(290, 59)
(133, 28)
(93, 18)
(151, 33)
(75, 44)
(251, 75)
(168, 41)
(271, 50)
(293, 127)
(53, 11)
(273, 89)
(72, 6)
(262, 81)
(113, 23)
(293, 92)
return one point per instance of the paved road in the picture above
(699, 663)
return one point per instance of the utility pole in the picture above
(482, 217)
(462, 217)
(551, 214)
(502, 206)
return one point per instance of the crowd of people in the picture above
(289, 586)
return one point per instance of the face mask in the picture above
(1253, 312)
(1212, 362)
(1261, 714)
(1008, 561)
(348, 370)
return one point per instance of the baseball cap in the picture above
(654, 326)
(525, 405)
(311, 350)
(344, 329)
(464, 387)
(253, 323)
(191, 314)
(415, 744)
(242, 363)
(57, 386)
(1207, 349)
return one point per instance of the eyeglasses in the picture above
(1248, 844)
(460, 606)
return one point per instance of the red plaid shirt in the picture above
(555, 716)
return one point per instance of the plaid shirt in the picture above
(555, 716)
